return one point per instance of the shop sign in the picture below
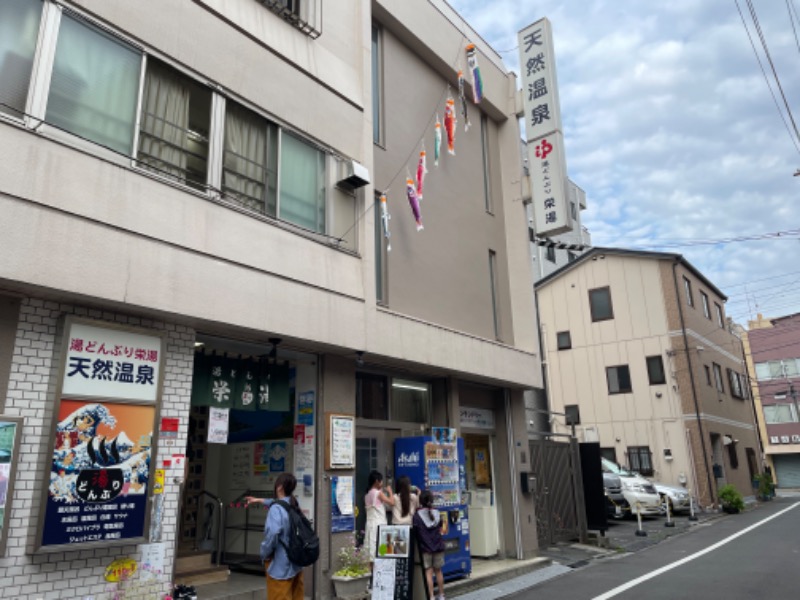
(408, 459)
(476, 418)
(111, 363)
(100, 473)
(543, 130)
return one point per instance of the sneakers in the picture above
(184, 592)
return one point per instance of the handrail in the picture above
(218, 522)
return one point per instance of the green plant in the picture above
(765, 486)
(353, 560)
(731, 498)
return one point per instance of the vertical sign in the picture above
(548, 170)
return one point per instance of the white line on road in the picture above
(678, 563)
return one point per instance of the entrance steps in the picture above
(194, 567)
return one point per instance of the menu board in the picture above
(341, 448)
(391, 576)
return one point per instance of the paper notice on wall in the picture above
(218, 425)
(344, 495)
(304, 452)
(152, 564)
(383, 580)
(240, 466)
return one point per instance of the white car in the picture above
(678, 497)
(638, 491)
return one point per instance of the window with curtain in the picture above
(302, 184)
(250, 160)
(19, 28)
(640, 459)
(175, 123)
(94, 86)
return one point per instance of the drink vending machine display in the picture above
(440, 467)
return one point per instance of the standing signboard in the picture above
(391, 575)
(102, 439)
(543, 131)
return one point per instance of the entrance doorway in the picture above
(374, 452)
(480, 476)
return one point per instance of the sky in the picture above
(672, 131)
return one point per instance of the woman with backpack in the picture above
(284, 578)
(375, 502)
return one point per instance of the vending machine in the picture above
(436, 463)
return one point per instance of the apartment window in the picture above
(372, 397)
(572, 414)
(735, 384)
(380, 256)
(707, 370)
(410, 401)
(302, 187)
(720, 317)
(94, 85)
(640, 459)
(493, 287)
(706, 308)
(778, 369)
(655, 370)
(732, 455)
(752, 464)
(305, 15)
(551, 253)
(718, 378)
(19, 28)
(571, 257)
(609, 453)
(564, 340)
(687, 286)
(175, 125)
(619, 379)
(377, 85)
(600, 304)
(780, 413)
(487, 188)
(573, 210)
(250, 160)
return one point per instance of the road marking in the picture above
(634, 582)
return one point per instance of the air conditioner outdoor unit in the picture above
(352, 175)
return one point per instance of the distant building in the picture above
(773, 357)
(636, 344)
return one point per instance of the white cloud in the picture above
(670, 128)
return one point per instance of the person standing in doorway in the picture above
(284, 579)
(375, 503)
(405, 503)
(428, 529)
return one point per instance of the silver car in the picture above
(678, 497)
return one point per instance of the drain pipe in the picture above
(512, 466)
(691, 379)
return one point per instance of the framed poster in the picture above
(102, 441)
(10, 434)
(340, 451)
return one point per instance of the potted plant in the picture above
(732, 501)
(354, 573)
(766, 489)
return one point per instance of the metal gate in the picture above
(558, 494)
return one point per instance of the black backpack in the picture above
(303, 547)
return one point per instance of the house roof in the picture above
(596, 251)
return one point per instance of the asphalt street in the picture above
(737, 557)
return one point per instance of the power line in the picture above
(766, 79)
(792, 234)
(792, 20)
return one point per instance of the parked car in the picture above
(638, 491)
(677, 497)
(616, 504)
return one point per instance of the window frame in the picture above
(707, 369)
(550, 253)
(733, 457)
(640, 452)
(735, 384)
(488, 201)
(687, 287)
(648, 361)
(566, 345)
(720, 315)
(377, 87)
(592, 310)
(494, 293)
(381, 286)
(620, 390)
(719, 383)
(706, 306)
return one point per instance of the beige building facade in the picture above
(638, 343)
(205, 175)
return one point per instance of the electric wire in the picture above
(792, 21)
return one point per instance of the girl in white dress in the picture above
(375, 503)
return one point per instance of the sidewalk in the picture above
(620, 539)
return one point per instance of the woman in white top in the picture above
(403, 511)
(375, 503)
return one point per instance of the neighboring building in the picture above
(636, 343)
(773, 357)
(190, 221)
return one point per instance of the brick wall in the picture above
(31, 393)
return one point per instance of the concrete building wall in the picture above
(79, 573)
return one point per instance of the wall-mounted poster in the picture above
(10, 431)
(340, 449)
(342, 509)
(99, 478)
